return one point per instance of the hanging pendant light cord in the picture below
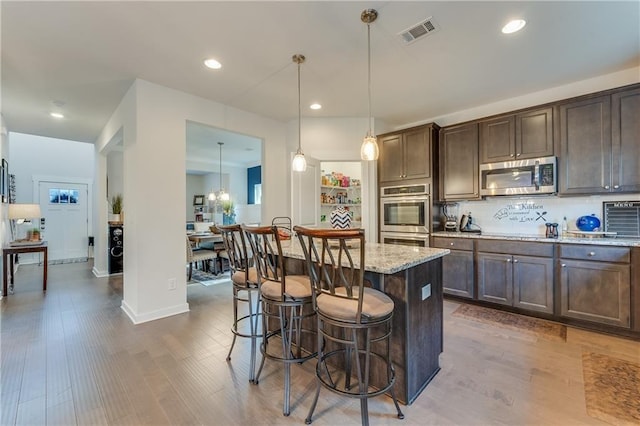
(299, 114)
(369, 71)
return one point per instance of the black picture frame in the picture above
(198, 200)
(4, 182)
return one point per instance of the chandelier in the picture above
(221, 195)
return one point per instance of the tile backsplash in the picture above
(528, 215)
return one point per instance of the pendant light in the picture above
(222, 196)
(369, 148)
(299, 163)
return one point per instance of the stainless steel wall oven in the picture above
(407, 210)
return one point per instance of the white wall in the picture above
(195, 186)
(154, 121)
(114, 174)
(38, 155)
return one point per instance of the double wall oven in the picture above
(405, 213)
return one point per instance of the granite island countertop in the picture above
(607, 241)
(380, 258)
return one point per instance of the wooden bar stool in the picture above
(354, 321)
(245, 289)
(286, 304)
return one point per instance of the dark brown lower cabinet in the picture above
(596, 291)
(533, 283)
(495, 278)
(457, 267)
(521, 281)
(457, 273)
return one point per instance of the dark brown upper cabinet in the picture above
(528, 134)
(625, 141)
(407, 154)
(459, 176)
(600, 144)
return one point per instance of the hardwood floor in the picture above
(73, 357)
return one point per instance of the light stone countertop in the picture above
(605, 241)
(380, 258)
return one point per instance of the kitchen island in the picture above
(412, 277)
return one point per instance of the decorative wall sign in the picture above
(522, 213)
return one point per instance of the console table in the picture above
(7, 262)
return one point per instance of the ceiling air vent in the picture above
(419, 31)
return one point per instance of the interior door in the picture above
(305, 194)
(64, 208)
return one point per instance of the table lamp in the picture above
(20, 213)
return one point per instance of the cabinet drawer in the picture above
(453, 243)
(515, 247)
(598, 253)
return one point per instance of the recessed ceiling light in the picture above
(315, 106)
(56, 115)
(213, 64)
(513, 26)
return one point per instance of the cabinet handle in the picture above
(592, 253)
(515, 260)
(518, 155)
(616, 186)
(564, 265)
(509, 260)
(511, 155)
(451, 244)
(606, 187)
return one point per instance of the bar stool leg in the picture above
(235, 320)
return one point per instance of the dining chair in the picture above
(200, 255)
(353, 321)
(246, 283)
(286, 306)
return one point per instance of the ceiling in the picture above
(81, 57)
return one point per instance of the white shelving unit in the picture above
(352, 193)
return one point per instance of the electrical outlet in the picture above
(426, 291)
(172, 283)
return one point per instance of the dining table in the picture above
(205, 237)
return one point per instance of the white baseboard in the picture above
(154, 315)
(99, 273)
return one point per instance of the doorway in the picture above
(65, 219)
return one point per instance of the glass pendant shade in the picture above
(369, 148)
(299, 162)
(223, 196)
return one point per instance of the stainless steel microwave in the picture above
(519, 177)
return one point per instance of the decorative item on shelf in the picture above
(552, 230)
(340, 218)
(299, 163)
(588, 223)
(228, 213)
(369, 149)
(116, 208)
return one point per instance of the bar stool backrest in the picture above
(236, 247)
(265, 245)
(335, 261)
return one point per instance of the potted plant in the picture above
(116, 208)
(228, 213)
(34, 234)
